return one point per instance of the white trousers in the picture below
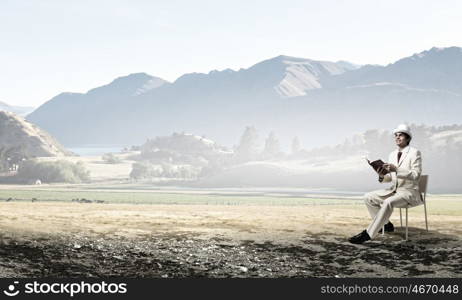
(381, 207)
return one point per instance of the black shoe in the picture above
(360, 238)
(388, 227)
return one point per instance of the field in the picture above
(141, 231)
(133, 195)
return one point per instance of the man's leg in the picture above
(382, 216)
(375, 205)
(373, 202)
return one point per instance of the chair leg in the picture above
(383, 230)
(406, 225)
(400, 218)
(426, 222)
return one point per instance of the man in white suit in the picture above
(403, 171)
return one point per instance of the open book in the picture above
(376, 164)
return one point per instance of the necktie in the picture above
(396, 184)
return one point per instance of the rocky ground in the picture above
(164, 241)
(186, 256)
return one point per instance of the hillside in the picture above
(20, 139)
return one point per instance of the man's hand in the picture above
(390, 167)
(382, 171)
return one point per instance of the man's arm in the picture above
(414, 172)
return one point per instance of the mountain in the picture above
(84, 117)
(126, 112)
(437, 68)
(131, 85)
(19, 138)
(291, 76)
(318, 101)
(20, 110)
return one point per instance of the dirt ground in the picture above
(99, 240)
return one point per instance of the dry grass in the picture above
(260, 223)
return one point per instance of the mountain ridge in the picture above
(21, 110)
(285, 94)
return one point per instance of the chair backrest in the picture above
(423, 181)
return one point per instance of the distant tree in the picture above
(144, 170)
(3, 160)
(10, 156)
(52, 171)
(139, 170)
(247, 148)
(295, 146)
(272, 148)
(110, 158)
(168, 170)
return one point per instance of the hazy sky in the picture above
(53, 46)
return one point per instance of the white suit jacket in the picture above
(405, 182)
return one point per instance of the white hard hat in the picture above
(404, 129)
